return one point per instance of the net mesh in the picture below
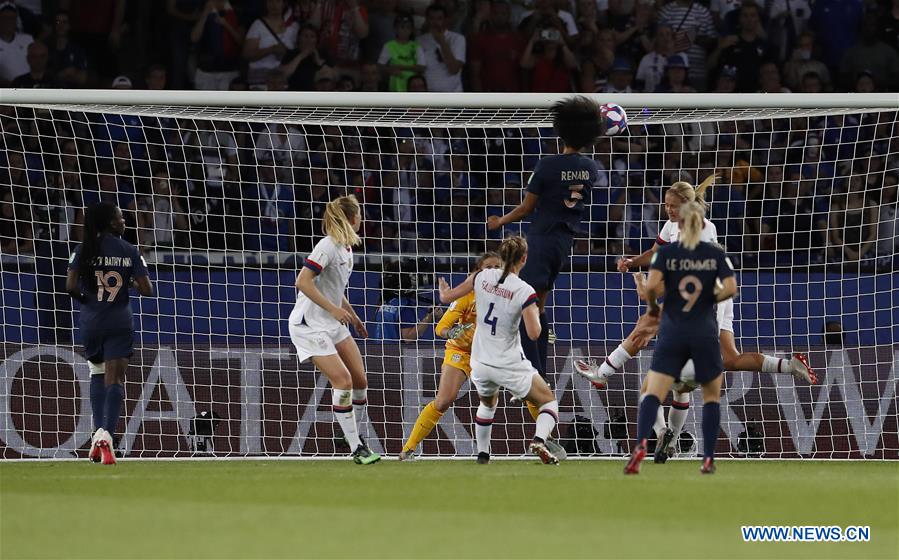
(225, 202)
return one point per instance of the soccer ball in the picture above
(614, 117)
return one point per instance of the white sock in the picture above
(659, 426)
(677, 415)
(342, 404)
(360, 400)
(547, 419)
(615, 361)
(483, 427)
(770, 364)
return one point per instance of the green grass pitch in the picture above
(441, 509)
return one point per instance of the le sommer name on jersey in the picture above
(691, 264)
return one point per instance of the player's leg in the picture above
(98, 405)
(548, 416)
(797, 365)
(451, 381)
(532, 348)
(711, 422)
(484, 425)
(114, 378)
(543, 339)
(342, 403)
(637, 340)
(349, 353)
(657, 387)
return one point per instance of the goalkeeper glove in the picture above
(551, 336)
(458, 330)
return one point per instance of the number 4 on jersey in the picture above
(489, 321)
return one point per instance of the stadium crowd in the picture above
(802, 191)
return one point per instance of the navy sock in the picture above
(711, 425)
(649, 407)
(543, 344)
(98, 399)
(530, 349)
(115, 394)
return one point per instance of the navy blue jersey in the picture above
(563, 183)
(107, 305)
(398, 313)
(690, 278)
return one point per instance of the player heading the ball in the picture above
(101, 270)
(504, 301)
(693, 276)
(557, 195)
(318, 322)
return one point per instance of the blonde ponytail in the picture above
(692, 220)
(687, 193)
(511, 251)
(337, 221)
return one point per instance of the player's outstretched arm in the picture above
(531, 317)
(449, 295)
(653, 289)
(627, 263)
(522, 210)
(143, 286)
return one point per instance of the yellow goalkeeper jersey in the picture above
(462, 311)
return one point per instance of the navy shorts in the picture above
(547, 253)
(672, 352)
(107, 344)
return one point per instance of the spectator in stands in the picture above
(546, 15)
(346, 83)
(381, 17)
(326, 79)
(694, 34)
(343, 24)
(889, 25)
(370, 77)
(811, 83)
(160, 214)
(588, 24)
(417, 83)
(595, 69)
(727, 80)
(182, 15)
(621, 77)
(301, 66)
(838, 21)
(746, 50)
(402, 57)
(268, 40)
(218, 37)
(769, 79)
(853, 222)
(802, 61)
(676, 75)
(285, 146)
(722, 9)
(794, 222)
(832, 334)
(155, 77)
(38, 76)
(651, 69)
(496, 52)
(888, 222)
(550, 61)
(864, 83)
(67, 63)
(405, 314)
(633, 34)
(16, 230)
(212, 145)
(13, 45)
(271, 227)
(870, 55)
(444, 52)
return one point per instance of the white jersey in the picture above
(671, 232)
(499, 306)
(333, 264)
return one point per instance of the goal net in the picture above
(224, 193)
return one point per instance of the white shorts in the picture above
(726, 315)
(311, 342)
(516, 379)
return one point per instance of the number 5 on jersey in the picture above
(489, 321)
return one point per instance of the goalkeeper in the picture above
(457, 326)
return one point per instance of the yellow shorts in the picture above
(459, 360)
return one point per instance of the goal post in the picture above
(223, 193)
